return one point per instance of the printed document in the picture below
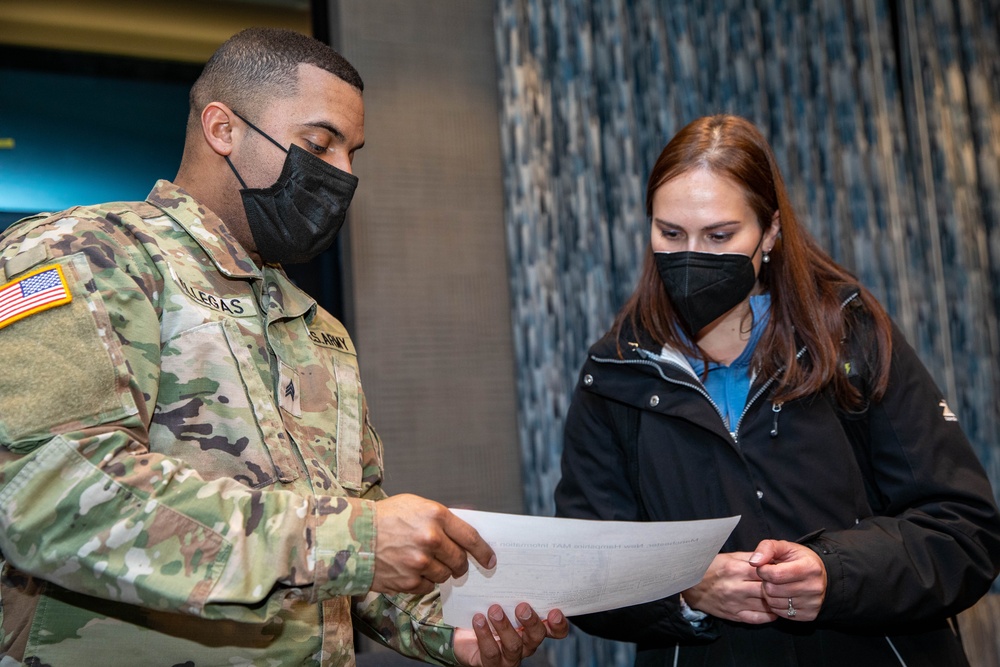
(580, 566)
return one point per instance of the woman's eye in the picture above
(721, 237)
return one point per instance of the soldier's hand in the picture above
(498, 643)
(419, 543)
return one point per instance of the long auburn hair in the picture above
(807, 286)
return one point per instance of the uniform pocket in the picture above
(214, 411)
(331, 426)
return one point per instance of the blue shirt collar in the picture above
(760, 307)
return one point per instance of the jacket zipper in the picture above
(776, 407)
(699, 387)
(734, 434)
(648, 362)
(746, 408)
(894, 650)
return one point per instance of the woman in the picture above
(750, 374)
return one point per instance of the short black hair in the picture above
(258, 64)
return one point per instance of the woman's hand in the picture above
(480, 647)
(731, 589)
(793, 576)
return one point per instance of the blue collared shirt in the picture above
(729, 386)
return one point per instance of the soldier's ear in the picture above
(217, 128)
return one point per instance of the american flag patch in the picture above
(39, 290)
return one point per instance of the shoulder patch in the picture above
(39, 290)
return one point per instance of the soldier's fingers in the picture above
(437, 572)
(415, 586)
(468, 538)
(450, 555)
(533, 631)
(510, 638)
(556, 624)
(489, 650)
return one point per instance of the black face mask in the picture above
(703, 286)
(299, 216)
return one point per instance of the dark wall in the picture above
(86, 129)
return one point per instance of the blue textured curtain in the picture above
(885, 117)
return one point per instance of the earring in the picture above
(766, 257)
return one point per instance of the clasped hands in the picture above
(757, 587)
(420, 543)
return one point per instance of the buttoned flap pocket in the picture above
(331, 428)
(214, 410)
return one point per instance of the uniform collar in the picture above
(206, 228)
(285, 300)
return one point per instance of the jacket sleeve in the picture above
(86, 505)
(933, 547)
(595, 485)
(410, 624)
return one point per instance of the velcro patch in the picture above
(39, 290)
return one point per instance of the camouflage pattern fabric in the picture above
(187, 468)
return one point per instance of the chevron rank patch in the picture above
(32, 293)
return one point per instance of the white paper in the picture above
(580, 566)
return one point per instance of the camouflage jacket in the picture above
(187, 469)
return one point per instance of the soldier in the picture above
(188, 474)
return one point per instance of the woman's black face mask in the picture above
(703, 286)
(299, 216)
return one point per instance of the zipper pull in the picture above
(775, 408)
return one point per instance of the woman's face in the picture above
(701, 211)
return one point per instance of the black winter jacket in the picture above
(901, 512)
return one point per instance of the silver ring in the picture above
(791, 609)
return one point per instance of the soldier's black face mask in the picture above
(703, 286)
(299, 216)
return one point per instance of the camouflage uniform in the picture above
(187, 469)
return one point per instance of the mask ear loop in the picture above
(261, 133)
(238, 177)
